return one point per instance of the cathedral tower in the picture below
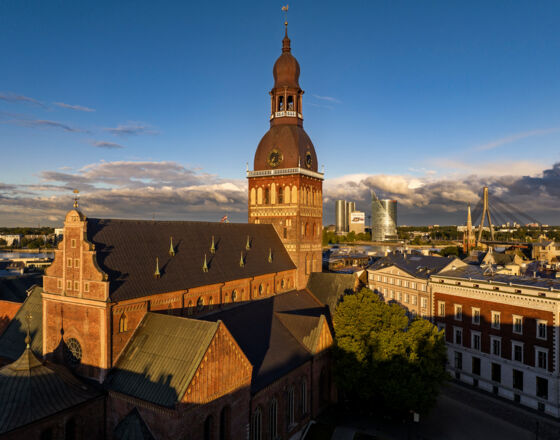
(285, 187)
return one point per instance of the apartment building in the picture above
(502, 333)
(404, 278)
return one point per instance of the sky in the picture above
(153, 109)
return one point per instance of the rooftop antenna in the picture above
(76, 192)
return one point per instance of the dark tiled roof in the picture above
(127, 251)
(161, 359)
(12, 341)
(471, 272)
(30, 391)
(330, 287)
(275, 333)
(132, 427)
(14, 288)
(419, 266)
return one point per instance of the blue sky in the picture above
(421, 101)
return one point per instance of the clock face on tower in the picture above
(274, 158)
(308, 159)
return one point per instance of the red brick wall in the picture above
(530, 316)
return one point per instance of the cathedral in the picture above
(184, 330)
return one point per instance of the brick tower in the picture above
(285, 187)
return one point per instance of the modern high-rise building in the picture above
(383, 219)
(343, 211)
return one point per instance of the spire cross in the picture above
(76, 192)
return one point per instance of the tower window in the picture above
(285, 233)
(123, 324)
(280, 194)
(280, 103)
(266, 196)
(290, 102)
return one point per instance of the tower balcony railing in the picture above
(286, 114)
(286, 171)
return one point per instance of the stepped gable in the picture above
(30, 391)
(126, 250)
(277, 334)
(12, 341)
(161, 360)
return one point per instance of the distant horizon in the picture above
(157, 108)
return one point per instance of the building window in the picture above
(266, 200)
(378, 277)
(69, 262)
(496, 320)
(225, 423)
(424, 302)
(541, 356)
(458, 312)
(76, 263)
(290, 408)
(517, 351)
(541, 329)
(123, 323)
(72, 352)
(475, 316)
(476, 365)
(458, 333)
(518, 380)
(399, 296)
(280, 195)
(441, 308)
(405, 283)
(406, 298)
(257, 425)
(496, 372)
(414, 300)
(496, 346)
(304, 408)
(413, 285)
(68, 285)
(200, 304)
(458, 360)
(73, 243)
(86, 287)
(273, 416)
(475, 341)
(422, 287)
(391, 281)
(59, 284)
(77, 286)
(517, 324)
(208, 428)
(542, 387)
(384, 279)
(261, 288)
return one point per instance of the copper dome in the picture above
(286, 67)
(293, 144)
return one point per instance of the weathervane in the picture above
(76, 192)
(285, 10)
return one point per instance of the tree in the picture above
(383, 361)
(450, 250)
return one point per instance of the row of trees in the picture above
(333, 238)
(385, 362)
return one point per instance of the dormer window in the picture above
(290, 102)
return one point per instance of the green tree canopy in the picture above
(382, 360)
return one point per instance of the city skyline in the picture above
(160, 113)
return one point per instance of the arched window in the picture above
(253, 196)
(304, 396)
(200, 304)
(261, 288)
(70, 429)
(208, 428)
(266, 196)
(280, 195)
(259, 196)
(210, 302)
(123, 323)
(287, 194)
(233, 295)
(256, 427)
(280, 103)
(225, 423)
(273, 194)
(273, 419)
(189, 308)
(72, 353)
(290, 102)
(290, 406)
(294, 194)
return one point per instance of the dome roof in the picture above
(293, 146)
(286, 67)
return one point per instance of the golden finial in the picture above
(285, 11)
(205, 265)
(171, 248)
(28, 317)
(157, 274)
(270, 255)
(76, 192)
(213, 247)
(248, 245)
(241, 260)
